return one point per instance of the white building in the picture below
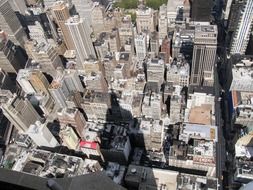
(72, 80)
(41, 135)
(163, 22)
(37, 33)
(141, 46)
(178, 73)
(80, 34)
(241, 35)
(242, 76)
(22, 79)
(84, 9)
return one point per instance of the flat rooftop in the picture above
(201, 114)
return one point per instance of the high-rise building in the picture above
(201, 10)
(72, 117)
(84, 9)
(20, 113)
(163, 22)
(72, 80)
(141, 46)
(69, 137)
(165, 49)
(36, 32)
(80, 35)
(41, 135)
(145, 19)
(39, 82)
(32, 81)
(60, 12)
(125, 29)
(10, 24)
(154, 44)
(241, 36)
(175, 12)
(204, 55)
(155, 71)
(97, 18)
(59, 92)
(44, 56)
(5, 81)
(12, 57)
(18, 6)
(96, 82)
(22, 79)
(114, 41)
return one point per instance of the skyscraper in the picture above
(10, 24)
(79, 32)
(241, 36)
(84, 9)
(163, 22)
(41, 135)
(61, 14)
(11, 57)
(20, 113)
(141, 46)
(204, 55)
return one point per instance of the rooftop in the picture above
(201, 114)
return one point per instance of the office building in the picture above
(84, 9)
(60, 12)
(187, 10)
(97, 105)
(114, 41)
(44, 56)
(72, 117)
(155, 71)
(39, 82)
(241, 35)
(154, 44)
(163, 22)
(72, 80)
(22, 79)
(59, 92)
(140, 41)
(96, 82)
(10, 24)
(69, 137)
(125, 29)
(204, 55)
(36, 32)
(178, 73)
(20, 113)
(97, 18)
(242, 76)
(5, 81)
(175, 12)
(165, 49)
(152, 105)
(140, 177)
(18, 6)
(41, 135)
(11, 57)
(80, 35)
(201, 10)
(145, 19)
